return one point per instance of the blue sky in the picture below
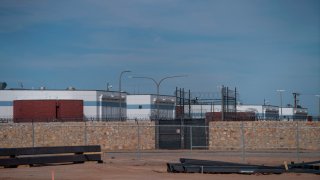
(258, 46)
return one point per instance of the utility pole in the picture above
(296, 99)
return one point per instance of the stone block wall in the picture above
(15, 135)
(122, 136)
(110, 135)
(264, 135)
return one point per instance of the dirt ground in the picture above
(152, 165)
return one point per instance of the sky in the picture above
(257, 46)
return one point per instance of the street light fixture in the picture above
(280, 92)
(120, 97)
(157, 83)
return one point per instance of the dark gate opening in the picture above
(182, 134)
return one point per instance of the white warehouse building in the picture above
(97, 104)
(147, 107)
(263, 112)
(292, 113)
(105, 105)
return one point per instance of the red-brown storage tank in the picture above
(70, 110)
(33, 110)
(47, 110)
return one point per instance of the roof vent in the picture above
(71, 88)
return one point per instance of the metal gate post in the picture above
(191, 138)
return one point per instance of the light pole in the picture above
(280, 93)
(120, 108)
(157, 86)
(318, 107)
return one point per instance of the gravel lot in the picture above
(152, 165)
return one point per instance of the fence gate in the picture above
(182, 134)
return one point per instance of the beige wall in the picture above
(264, 135)
(111, 135)
(258, 135)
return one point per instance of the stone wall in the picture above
(264, 135)
(110, 135)
(258, 135)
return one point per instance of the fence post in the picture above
(85, 134)
(157, 129)
(183, 128)
(243, 143)
(191, 138)
(138, 148)
(255, 136)
(32, 134)
(297, 142)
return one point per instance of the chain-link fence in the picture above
(242, 138)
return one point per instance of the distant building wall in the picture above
(139, 107)
(96, 104)
(264, 112)
(291, 113)
(145, 107)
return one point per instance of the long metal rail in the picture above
(204, 166)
